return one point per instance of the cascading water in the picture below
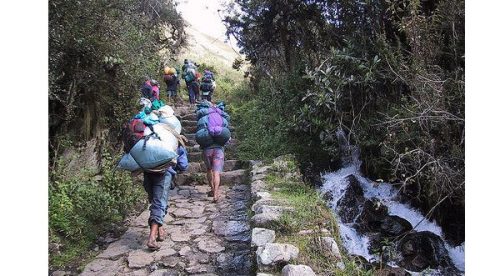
(367, 210)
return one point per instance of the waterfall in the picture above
(335, 185)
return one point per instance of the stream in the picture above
(375, 225)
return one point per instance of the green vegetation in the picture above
(82, 207)
(309, 213)
(390, 74)
(99, 54)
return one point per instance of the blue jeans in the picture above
(157, 186)
(191, 92)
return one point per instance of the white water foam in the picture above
(335, 185)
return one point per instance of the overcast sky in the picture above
(202, 14)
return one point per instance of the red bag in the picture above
(132, 132)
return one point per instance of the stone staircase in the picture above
(204, 238)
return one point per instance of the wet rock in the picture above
(230, 228)
(261, 236)
(139, 258)
(239, 262)
(421, 250)
(395, 226)
(297, 270)
(371, 216)
(350, 204)
(274, 255)
(210, 246)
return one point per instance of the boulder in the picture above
(421, 250)
(350, 204)
(297, 270)
(275, 255)
(257, 186)
(330, 248)
(262, 236)
(395, 226)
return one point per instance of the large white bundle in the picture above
(162, 130)
(173, 123)
(166, 116)
(160, 148)
(128, 163)
(166, 111)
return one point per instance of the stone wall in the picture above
(271, 257)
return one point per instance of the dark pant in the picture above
(191, 91)
(157, 186)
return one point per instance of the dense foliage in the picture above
(388, 73)
(99, 54)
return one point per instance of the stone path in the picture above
(204, 238)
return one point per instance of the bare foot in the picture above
(152, 245)
(161, 234)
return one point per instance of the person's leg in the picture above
(157, 181)
(207, 157)
(167, 182)
(217, 168)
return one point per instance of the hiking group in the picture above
(154, 145)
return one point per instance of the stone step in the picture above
(190, 117)
(226, 178)
(188, 129)
(195, 156)
(189, 123)
(195, 148)
(229, 165)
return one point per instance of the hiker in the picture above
(189, 75)
(212, 135)
(207, 85)
(172, 82)
(150, 89)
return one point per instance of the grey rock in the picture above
(261, 236)
(329, 247)
(60, 273)
(102, 267)
(185, 250)
(273, 254)
(139, 258)
(164, 252)
(197, 268)
(297, 270)
(179, 237)
(210, 246)
(230, 228)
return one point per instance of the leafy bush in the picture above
(83, 206)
